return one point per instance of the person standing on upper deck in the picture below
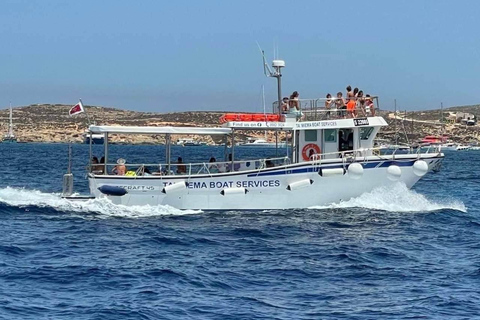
(349, 92)
(284, 108)
(328, 105)
(295, 104)
(369, 106)
(340, 104)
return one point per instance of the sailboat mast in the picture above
(10, 127)
(442, 123)
(395, 122)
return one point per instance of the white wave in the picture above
(23, 197)
(397, 198)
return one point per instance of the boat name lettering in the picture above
(316, 124)
(140, 188)
(231, 184)
(360, 122)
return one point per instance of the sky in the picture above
(167, 56)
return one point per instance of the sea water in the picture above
(391, 253)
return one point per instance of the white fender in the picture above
(175, 187)
(394, 172)
(331, 172)
(232, 191)
(420, 168)
(299, 184)
(355, 171)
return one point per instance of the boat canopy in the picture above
(159, 130)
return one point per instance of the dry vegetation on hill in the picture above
(51, 123)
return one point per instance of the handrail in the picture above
(201, 167)
(331, 108)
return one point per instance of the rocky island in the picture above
(52, 123)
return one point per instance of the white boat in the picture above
(252, 142)
(327, 161)
(190, 142)
(10, 137)
(449, 146)
(462, 147)
(94, 137)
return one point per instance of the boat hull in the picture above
(285, 187)
(94, 140)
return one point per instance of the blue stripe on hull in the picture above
(310, 168)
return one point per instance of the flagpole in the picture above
(86, 113)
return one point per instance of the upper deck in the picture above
(330, 108)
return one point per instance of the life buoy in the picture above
(308, 149)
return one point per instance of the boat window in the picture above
(330, 135)
(365, 132)
(310, 135)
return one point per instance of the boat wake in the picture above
(17, 197)
(397, 198)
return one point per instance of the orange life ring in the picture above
(307, 149)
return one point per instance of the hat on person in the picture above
(121, 161)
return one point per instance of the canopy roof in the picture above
(159, 130)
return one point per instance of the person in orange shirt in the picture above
(351, 108)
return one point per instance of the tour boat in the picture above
(329, 159)
(462, 147)
(190, 142)
(263, 143)
(10, 137)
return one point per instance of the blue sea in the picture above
(388, 254)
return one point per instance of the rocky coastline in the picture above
(51, 123)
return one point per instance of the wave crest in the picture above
(17, 197)
(397, 198)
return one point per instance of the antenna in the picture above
(277, 65)
(395, 122)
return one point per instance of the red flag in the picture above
(78, 108)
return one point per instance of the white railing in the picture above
(354, 155)
(188, 169)
(331, 108)
(155, 169)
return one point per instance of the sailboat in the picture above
(10, 136)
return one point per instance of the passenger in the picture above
(355, 92)
(360, 105)
(236, 166)
(146, 172)
(340, 104)
(351, 108)
(328, 105)
(93, 165)
(369, 106)
(269, 164)
(212, 167)
(294, 104)
(181, 168)
(120, 169)
(349, 92)
(284, 108)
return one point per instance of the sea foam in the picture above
(397, 198)
(18, 197)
